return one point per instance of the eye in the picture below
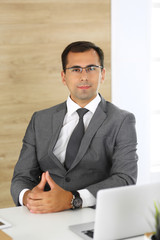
(76, 70)
(91, 68)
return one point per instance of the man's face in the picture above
(83, 86)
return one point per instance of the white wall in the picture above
(130, 26)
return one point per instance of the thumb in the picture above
(42, 183)
(50, 181)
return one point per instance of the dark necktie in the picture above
(75, 139)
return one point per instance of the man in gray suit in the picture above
(107, 154)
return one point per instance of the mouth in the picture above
(84, 87)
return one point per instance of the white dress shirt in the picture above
(70, 121)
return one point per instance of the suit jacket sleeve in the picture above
(27, 171)
(123, 158)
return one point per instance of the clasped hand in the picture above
(39, 201)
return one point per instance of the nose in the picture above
(84, 75)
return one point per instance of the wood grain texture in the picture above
(32, 36)
(4, 236)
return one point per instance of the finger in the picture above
(42, 209)
(36, 209)
(43, 181)
(39, 206)
(35, 204)
(50, 181)
(35, 196)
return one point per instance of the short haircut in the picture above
(81, 46)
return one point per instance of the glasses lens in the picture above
(76, 70)
(91, 69)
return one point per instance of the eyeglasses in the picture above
(89, 69)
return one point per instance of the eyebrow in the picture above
(77, 66)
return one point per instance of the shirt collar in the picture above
(91, 106)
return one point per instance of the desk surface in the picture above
(52, 226)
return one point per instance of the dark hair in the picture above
(81, 46)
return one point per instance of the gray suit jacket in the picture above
(106, 158)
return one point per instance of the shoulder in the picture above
(47, 114)
(115, 112)
(51, 110)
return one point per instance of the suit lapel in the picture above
(58, 118)
(96, 122)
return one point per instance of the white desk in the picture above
(52, 226)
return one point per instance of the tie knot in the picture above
(81, 112)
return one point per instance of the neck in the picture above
(83, 102)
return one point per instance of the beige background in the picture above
(32, 36)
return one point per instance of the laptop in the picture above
(121, 213)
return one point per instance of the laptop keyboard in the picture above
(89, 233)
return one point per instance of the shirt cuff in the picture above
(21, 196)
(88, 199)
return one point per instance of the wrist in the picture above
(68, 200)
(76, 201)
(25, 196)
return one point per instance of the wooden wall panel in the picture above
(32, 36)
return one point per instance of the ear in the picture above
(63, 76)
(103, 73)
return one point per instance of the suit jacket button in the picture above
(67, 179)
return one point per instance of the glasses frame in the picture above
(81, 68)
